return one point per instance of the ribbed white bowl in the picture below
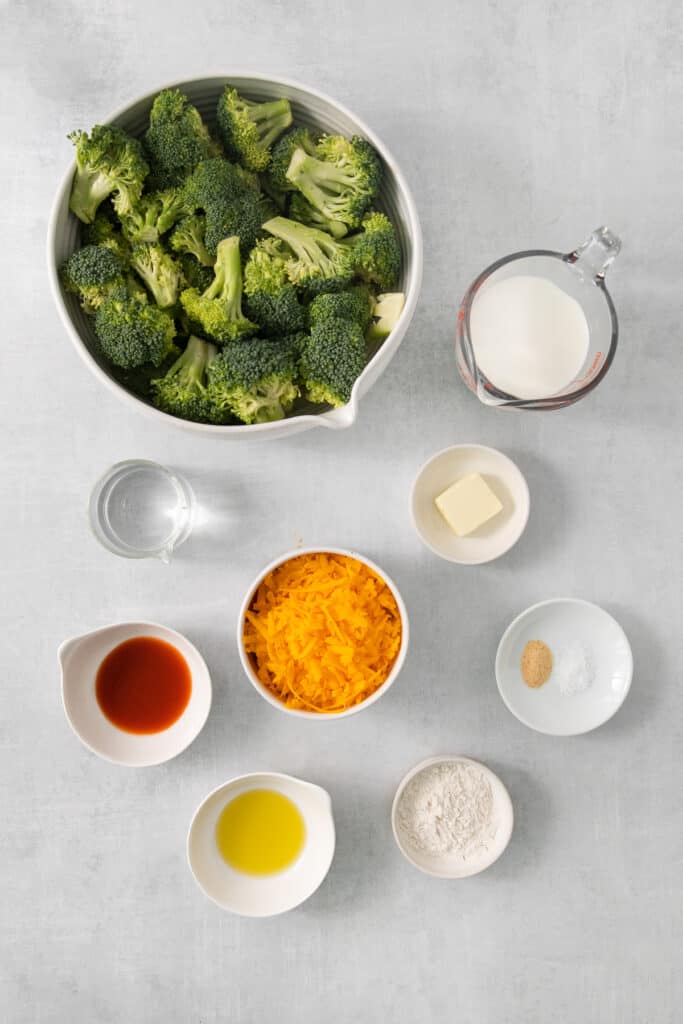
(311, 108)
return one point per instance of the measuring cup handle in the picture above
(594, 256)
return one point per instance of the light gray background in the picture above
(517, 125)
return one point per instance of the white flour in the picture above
(448, 808)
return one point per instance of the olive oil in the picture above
(260, 832)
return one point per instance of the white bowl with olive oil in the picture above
(262, 843)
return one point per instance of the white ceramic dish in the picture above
(313, 715)
(311, 108)
(492, 539)
(80, 659)
(561, 623)
(264, 895)
(452, 866)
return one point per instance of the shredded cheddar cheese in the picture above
(322, 632)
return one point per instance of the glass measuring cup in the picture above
(581, 275)
(140, 509)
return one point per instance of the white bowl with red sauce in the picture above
(135, 693)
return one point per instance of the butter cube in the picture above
(468, 504)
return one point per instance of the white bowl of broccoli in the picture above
(238, 255)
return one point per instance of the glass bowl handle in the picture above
(594, 256)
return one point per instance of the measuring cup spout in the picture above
(594, 256)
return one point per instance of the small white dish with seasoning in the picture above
(564, 666)
(451, 817)
(469, 504)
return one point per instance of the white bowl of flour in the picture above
(452, 817)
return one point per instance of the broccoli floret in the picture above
(213, 181)
(322, 263)
(195, 274)
(182, 390)
(277, 314)
(248, 129)
(386, 309)
(355, 151)
(93, 273)
(332, 357)
(159, 271)
(243, 218)
(300, 209)
(277, 198)
(153, 216)
(105, 231)
(355, 304)
(255, 380)
(139, 379)
(133, 332)
(271, 301)
(188, 237)
(250, 179)
(177, 139)
(219, 309)
(276, 174)
(108, 163)
(102, 227)
(266, 268)
(172, 208)
(267, 208)
(230, 202)
(341, 180)
(135, 289)
(376, 252)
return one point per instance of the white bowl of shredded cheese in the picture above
(452, 817)
(286, 654)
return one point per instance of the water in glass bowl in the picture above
(140, 509)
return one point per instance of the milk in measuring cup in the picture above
(530, 338)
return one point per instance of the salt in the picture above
(572, 670)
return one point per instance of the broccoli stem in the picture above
(197, 249)
(195, 245)
(227, 282)
(264, 405)
(270, 119)
(191, 364)
(188, 237)
(163, 292)
(305, 242)
(386, 310)
(309, 173)
(89, 190)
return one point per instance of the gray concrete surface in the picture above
(517, 125)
